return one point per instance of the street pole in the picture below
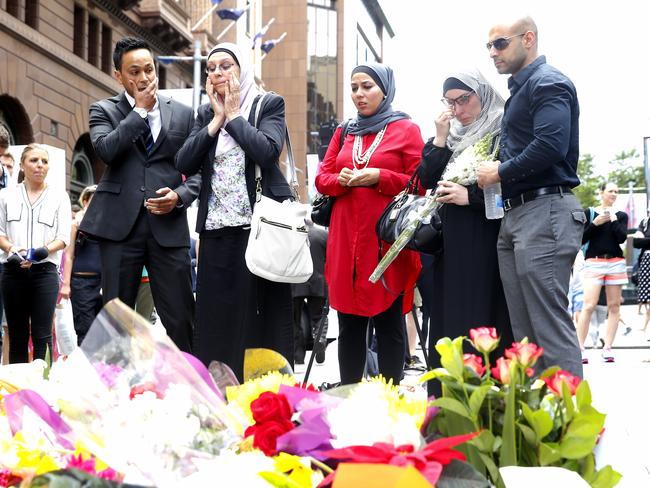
(197, 58)
(196, 99)
(647, 172)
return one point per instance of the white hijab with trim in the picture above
(247, 92)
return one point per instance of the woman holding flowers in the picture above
(468, 287)
(380, 152)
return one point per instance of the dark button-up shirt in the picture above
(539, 134)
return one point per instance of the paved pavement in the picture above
(620, 389)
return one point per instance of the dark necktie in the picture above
(148, 136)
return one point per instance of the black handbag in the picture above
(321, 210)
(395, 217)
(321, 207)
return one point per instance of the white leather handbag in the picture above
(278, 245)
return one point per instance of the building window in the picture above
(13, 8)
(79, 31)
(365, 51)
(162, 77)
(107, 49)
(82, 173)
(93, 40)
(31, 13)
(321, 68)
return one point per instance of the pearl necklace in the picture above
(361, 159)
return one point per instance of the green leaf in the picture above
(70, 478)
(476, 400)
(493, 471)
(568, 402)
(453, 405)
(484, 442)
(458, 474)
(583, 395)
(539, 420)
(586, 425)
(48, 363)
(606, 478)
(576, 447)
(451, 356)
(433, 374)
(549, 453)
(547, 373)
(588, 469)
(508, 452)
(528, 433)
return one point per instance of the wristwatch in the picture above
(142, 112)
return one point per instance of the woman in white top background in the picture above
(34, 228)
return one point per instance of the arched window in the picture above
(13, 117)
(81, 174)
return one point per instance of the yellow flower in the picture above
(402, 400)
(292, 472)
(33, 458)
(298, 470)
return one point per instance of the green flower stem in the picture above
(403, 239)
(321, 465)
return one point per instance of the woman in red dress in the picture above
(380, 152)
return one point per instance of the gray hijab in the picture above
(488, 121)
(385, 114)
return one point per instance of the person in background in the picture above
(469, 292)
(35, 221)
(412, 361)
(605, 266)
(138, 212)
(380, 152)
(542, 227)
(4, 156)
(82, 273)
(642, 241)
(7, 169)
(576, 287)
(235, 309)
(312, 295)
(144, 303)
(4, 140)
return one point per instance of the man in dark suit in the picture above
(138, 212)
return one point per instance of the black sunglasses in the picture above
(502, 42)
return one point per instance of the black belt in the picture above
(607, 256)
(510, 203)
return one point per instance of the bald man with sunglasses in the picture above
(541, 230)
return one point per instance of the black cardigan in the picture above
(262, 146)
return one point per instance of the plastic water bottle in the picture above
(493, 201)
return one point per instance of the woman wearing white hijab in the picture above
(235, 309)
(468, 287)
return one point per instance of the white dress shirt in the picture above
(28, 225)
(154, 116)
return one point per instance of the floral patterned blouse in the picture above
(228, 203)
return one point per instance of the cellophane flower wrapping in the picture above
(462, 171)
(139, 403)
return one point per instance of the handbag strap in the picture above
(292, 165)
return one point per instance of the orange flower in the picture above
(484, 339)
(475, 363)
(526, 354)
(502, 370)
(554, 382)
